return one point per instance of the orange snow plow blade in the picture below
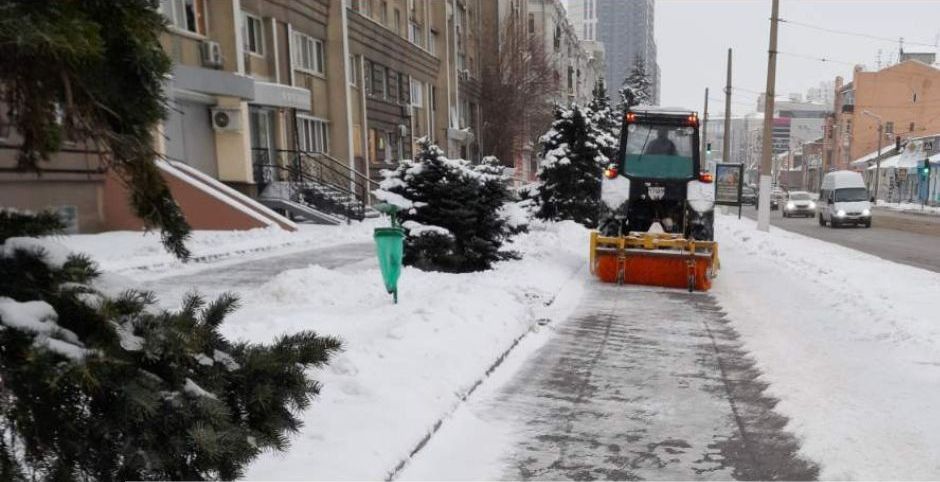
(667, 260)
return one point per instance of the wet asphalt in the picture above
(910, 239)
(640, 384)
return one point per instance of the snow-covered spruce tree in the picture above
(498, 209)
(449, 209)
(570, 169)
(604, 120)
(98, 387)
(638, 82)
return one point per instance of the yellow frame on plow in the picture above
(638, 242)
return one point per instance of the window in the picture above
(383, 13)
(414, 34)
(188, 15)
(378, 80)
(353, 71)
(571, 79)
(889, 127)
(397, 27)
(392, 91)
(367, 8)
(557, 39)
(252, 34)
(308, 54)
(531, 23)
(417, 93)
(313, 134)
(404, 87)
(912, 127)
(432, 43)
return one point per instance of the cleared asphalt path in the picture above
(637, 384)
(910, 239)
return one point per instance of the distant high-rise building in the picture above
(625, 27)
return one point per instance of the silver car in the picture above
(799, 203)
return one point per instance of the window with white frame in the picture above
(252, 34)
(417, 93)
(308, 54)
(313, 134)
(353, 71)
(187, 15)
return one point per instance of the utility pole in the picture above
(763, 203)
(704, 154)
(726, 143)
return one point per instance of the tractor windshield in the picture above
(659, 152)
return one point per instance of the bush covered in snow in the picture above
(570, 169)
(100, 387)
(451, 210)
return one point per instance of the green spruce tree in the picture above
(96, 387)
(637, 87)
(449, 209)
(570, 169)
(604, 120)
(93, 71)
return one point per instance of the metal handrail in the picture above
(302, 175)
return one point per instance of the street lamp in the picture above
(878, 157)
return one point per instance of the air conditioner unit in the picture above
(226, 119)
(211, 54)
(402, 130)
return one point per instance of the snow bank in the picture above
(916, 208)
(849, 343)
(404, 366)
(117, 251)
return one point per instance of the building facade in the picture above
(626, 29)
(903, 98)
(349, 84)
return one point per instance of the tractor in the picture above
(657, 224)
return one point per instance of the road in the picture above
(240, 277)
(637, 384)
(903, 238)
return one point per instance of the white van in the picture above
(844, 199)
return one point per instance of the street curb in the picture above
(489, 371)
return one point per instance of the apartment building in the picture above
(576, 68)
(266, 91)
(904, 99)
(626, 28)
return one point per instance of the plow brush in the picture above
(654, 259)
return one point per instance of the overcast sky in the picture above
(693, 37)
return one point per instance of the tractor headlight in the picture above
(841, 213)
(812, 205)
(866, 212)
(791, 206)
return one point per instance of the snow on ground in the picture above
(117, 251)
(405, 366)
(909, 207)
(850, 344)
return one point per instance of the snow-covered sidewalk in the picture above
(909, 208)
(119, 251)
(405, 366)
(850, 344)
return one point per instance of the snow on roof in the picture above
(661, 110)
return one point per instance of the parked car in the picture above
(775, 196)
(844, 199)
(748, 195)
(799, 203)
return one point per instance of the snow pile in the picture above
(116, 251)
(848, 342)
(40, 318)
(916, 208)
(406, 365)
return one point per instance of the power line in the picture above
(854, 34)
(817, 59)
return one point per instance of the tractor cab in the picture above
(648, 185)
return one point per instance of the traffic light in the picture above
(708, 148)
(926, 168)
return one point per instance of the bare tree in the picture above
(517, 87)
